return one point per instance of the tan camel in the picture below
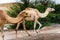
(5, 18)
(37, 15)
(34, 15)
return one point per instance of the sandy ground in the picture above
(46, 33)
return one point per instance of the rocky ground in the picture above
(46, 33)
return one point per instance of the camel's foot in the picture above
(37, 30)
(29, 35)
(16, 33)
(3, 37)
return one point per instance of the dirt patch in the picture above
(52, 36)
(46, 33)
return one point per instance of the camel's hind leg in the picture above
(2, 32)
(25, 27)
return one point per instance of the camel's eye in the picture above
(50, 8)
(26, 13)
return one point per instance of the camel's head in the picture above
(50, 9)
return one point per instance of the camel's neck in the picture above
(43, 15)
(10, 19)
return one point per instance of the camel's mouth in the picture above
(53, 9)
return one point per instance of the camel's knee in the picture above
(40, 25)
(16, 29)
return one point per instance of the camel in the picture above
(5, 18)
(37, 15)
(27, 14)
(34, 15)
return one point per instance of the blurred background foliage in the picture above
(41, 5)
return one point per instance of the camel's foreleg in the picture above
(25, 27)
(2, 32)
(35, 21)
(18, 24)
(39, 25)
